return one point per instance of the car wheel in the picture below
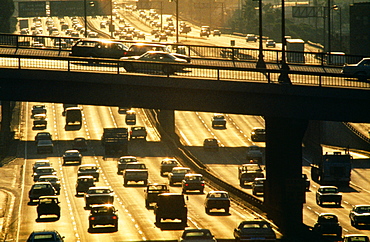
(157, 220)
(207, 210)
(125, 183)
(227, 210)
(128, 67)
(162, 173)
(361, 76)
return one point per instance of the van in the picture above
(98, 48)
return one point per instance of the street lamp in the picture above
(261, 63)
(284, 77)
(336, 8)
(91, 4)
(177, 19)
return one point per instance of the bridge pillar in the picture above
(284, 190)
(166, 120)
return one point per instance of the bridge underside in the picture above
(287, 110)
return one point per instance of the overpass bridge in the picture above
(287, 108)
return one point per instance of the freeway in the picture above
(135, 221)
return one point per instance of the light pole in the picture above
(85, 14)
(336, 8)
(261, 63)
(177, 19)
(329, 26)
(284, 77)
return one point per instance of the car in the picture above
(103, 215)
(40, 121)
(98, 48)
(248, 172)
(217, 200)
(98, 195)
(193, 182)
(45, 235)
(328, 194)
(167, 164)
(306, 182)
(137, 49)
(210, 143)
(355, 238)
(327, 225)
(218, 120)
(53, 179)
(258, 186)
(48, 205)
(250, 230)
(198, 234)
(39, 189)
(216, 32)
(122, 161)
(84, 183)
(254, 154)
(152, 191)
(270, 43)
(171, 206)
(88, 170)
(258, 134)
(150, 60)
(38, 109)
(72, 156)
(177, 174)
(40, 163)
(360, 70)
(44, 146)
(42, 136)
(251, 37)
(163, 36)
(43, 170)
(360, 214)
(79, 144)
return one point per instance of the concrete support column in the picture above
(166, 119)
(284, 190)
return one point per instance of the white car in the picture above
(361, 70)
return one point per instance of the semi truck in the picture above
(115, 141)
(332, 169)
(295, 50)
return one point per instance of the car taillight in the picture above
(186, 185)
(92, 218)
(202, 184)
(114, 217)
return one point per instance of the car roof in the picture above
(147, 44)
(84, 165)
(194, 174)
(218, 192)
(49, 176)
(42, 161)
(328, 187)
(44, 167)
(100, 187)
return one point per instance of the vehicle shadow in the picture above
(171, 225)
(102, 230)
(218, 213)
(47, 219)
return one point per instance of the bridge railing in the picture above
(64, 44)
(207, 72)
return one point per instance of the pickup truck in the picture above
(152, 191)
(248, 172)
(138, 132)
(217, 200)
(135, 171)
(99, 195)
(328, 194)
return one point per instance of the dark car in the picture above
(152, 191)
(98, 195)
(103, 215)
(42, 136)
(123, 160)
(84, 183)
(210, 143)
(217, 200)
(360, 214)
(327, 225)
(137, 49)
(44, 170)
(167, 164)
(44, 146)
(72, 156)
(79, 144)
(45, 235)
(89, 170)
(252, 229)
(193, 182)
(39, 189)
(177, 174)
(48, 205)
(54, 181)
(98, 48)
(258, 134)
(40, 163)
(201, 235)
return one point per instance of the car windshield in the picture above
(157, 187)
(218, 195)
(45, 170)
(330, 190)
(255, 226)
(99, 191)
(195, 235)
(180, 171)
(195, 178)
(363, 209)
(89, 168)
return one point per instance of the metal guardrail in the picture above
(239, 70)
(64, 44)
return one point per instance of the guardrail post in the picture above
(69, 65)
(218, 74)
(19, 63)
